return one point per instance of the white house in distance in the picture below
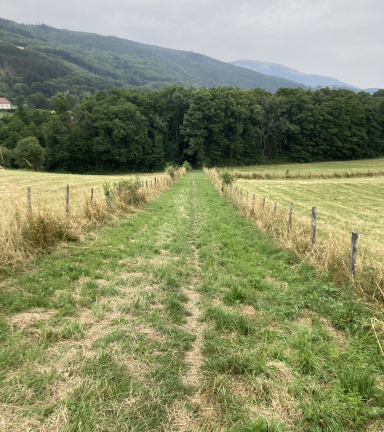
(4, 103)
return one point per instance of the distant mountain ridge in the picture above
(66, 58)
(314, 81)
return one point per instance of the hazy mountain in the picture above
(47, 60)
(315, 81)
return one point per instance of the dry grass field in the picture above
(24, 232)
(50, 189)
(343, 205)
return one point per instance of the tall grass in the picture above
(330, 254)
(25, 232)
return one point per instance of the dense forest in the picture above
(127, 130)
(38, 59)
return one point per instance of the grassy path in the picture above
(184, 318)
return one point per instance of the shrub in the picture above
(226, 179)
(29, 153)
(187, 166)
(125, 190)
(170, 170)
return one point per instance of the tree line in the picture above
(127, 130)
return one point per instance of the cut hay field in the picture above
(317, 168)
(343, 205)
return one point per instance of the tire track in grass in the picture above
(183, 418)
(193, 357)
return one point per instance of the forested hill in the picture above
(48, 60)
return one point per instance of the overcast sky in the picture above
(343, 39)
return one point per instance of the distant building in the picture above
(4, 103)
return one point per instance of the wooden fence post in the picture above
(67, 201)
(262, 210)
(91, 196)
(313, 227)
(253, 204)
(290, 216)
(146, 184)
(108, 200)
(155, 182)
(29, 198)
(241, 194)
(354, 242)
(274, 211)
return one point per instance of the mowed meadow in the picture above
(184, 317)
(343, 205)
(289, 170)
(30, 226)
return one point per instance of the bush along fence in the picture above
(27, 226)
(333, 254)
(305, 175)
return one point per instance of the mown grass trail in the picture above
(184, 318)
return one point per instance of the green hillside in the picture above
(46, 60)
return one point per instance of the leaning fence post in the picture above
(313, 227)
(262, 211)
(67, 201)
(274, 211)
(354, 242)
(91, 196)
(108, 201)
(29, 198)
(290, 216)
